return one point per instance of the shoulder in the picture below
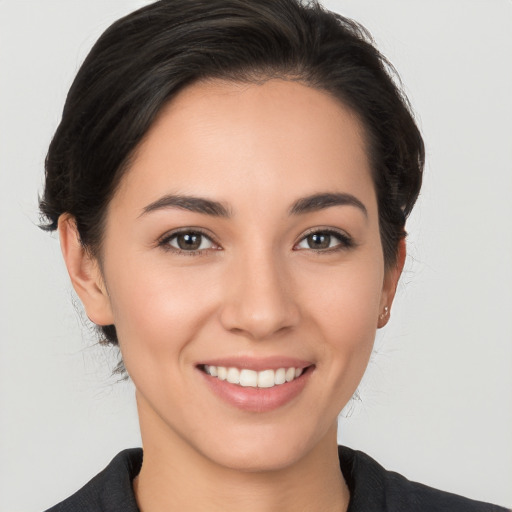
(110, 490)
(374, 488)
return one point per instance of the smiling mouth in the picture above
(254, 379)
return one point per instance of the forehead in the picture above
(278, 139)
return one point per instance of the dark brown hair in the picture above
(145, 58)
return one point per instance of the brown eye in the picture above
(325, 240)
(189, 241)
(319, 241)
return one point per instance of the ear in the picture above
(390, 284)
(85, 273)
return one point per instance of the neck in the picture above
(174, 476)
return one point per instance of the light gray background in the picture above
(437, 399)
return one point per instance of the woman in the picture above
(234, 220)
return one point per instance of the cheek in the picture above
(345, 312)
(157, 311)
(347, 297)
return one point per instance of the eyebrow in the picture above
(317, 202)
(308, 204)
(191, 203)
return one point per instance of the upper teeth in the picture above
(251, 378)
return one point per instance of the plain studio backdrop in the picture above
(436, 402)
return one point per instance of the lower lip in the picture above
(257, 399)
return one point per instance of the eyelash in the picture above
(164, 242)
(345, 241)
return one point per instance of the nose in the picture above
(259, 300)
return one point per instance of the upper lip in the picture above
(257, 363)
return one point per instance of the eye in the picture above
(324, 240)
(187, 241)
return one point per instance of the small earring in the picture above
(385, 314)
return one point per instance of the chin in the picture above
(259, 460)
(264, 452)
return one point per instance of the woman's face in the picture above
(244, 239)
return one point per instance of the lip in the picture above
(257, 400)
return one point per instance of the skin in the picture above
(258, 289)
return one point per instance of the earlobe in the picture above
(85, 273)
(390, 284)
